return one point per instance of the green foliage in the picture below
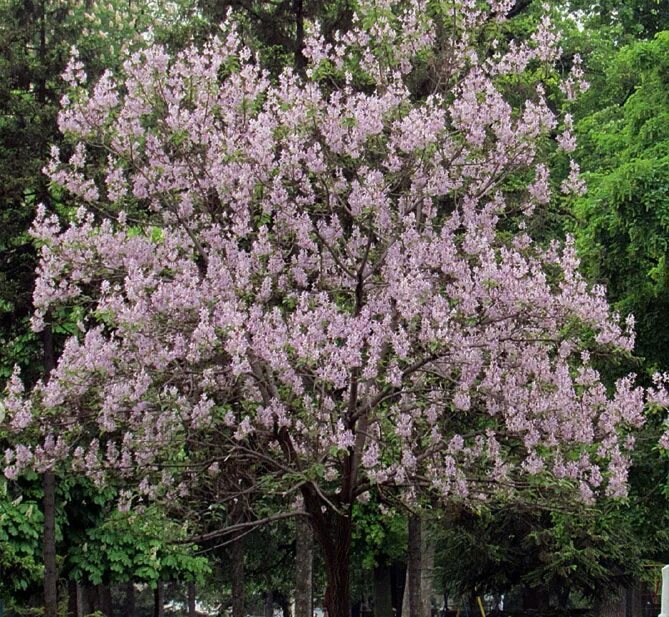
(584, 552)
(20, 543)
(271, 28)
(623, 226)
(380, 535)
(631, 18)
(139, 546)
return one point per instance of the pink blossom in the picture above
(316, 283)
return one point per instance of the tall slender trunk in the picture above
(40, 90)
(49, 547)
(159, 600)
(191, 599)
(72, 599)
(106, 601)
(129, 608)
(304, 564)
(49, 486)
(300, 60)
(85, 599)
(414, 568)
(426, 566)
(238, 578)
(397, 583)
(383, 601)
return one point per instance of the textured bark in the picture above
(304, 564)
(383, 601)
(337, 572)
(159, 600)
(334, 537)
(191, 599)
(426, 566)
(634, 604)
(414, 568)
(614, 605)
(238, 578)
(49, 486)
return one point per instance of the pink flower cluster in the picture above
(311, 276)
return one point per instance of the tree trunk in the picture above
(238, 579)
(269, 604)
(304, 564)
(91, 599)
(332, 531)
(73, 599)
(533, 599)
(383, 601)
(336, 557)
(49, 548)
(282, 601)
(129, 608)
(426, 566)
(397, 583)
(414, 568)
(191, 599)
(405, 594)
(106, 601)
(85, 599)
(300, 60)
(159, 600)
(49, 486)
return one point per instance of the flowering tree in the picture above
(322, 286)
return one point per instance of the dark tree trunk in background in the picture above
(397, 583)
(519, 7)
(534, 599)
(85, 599)
(304, 564)
(238, 578)
(300, 60)
(73, 601)
(106, 601)
(159, 600)
(414, 568)
(92, 599)
(269, 604)
(49, 546)
(129, 608)
(191, 599)
(383, 600)
(283, 602)
(49, 486)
